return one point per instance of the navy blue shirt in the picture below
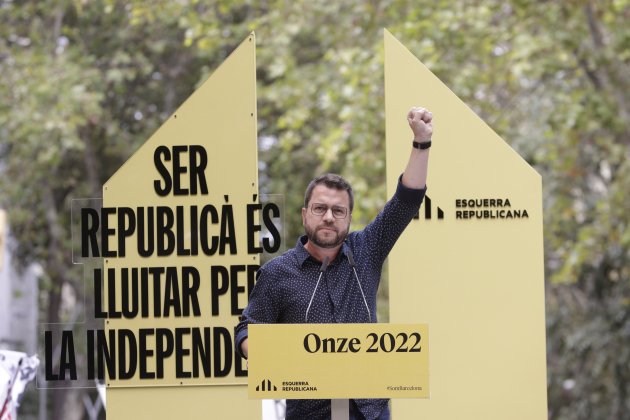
(285, 285)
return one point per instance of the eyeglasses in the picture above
(320, 209)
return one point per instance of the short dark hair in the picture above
(333, 181)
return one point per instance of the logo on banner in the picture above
(266, 385)
(427, 210)
(487, 208)
(473, 209)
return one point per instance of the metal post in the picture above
(340, 409)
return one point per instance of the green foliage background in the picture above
(84, 83)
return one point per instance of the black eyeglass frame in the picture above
(342, 212)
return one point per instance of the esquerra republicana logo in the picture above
(473, 209)
(427, 210)
(266, 385)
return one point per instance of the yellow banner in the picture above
(471, 264)
(181, 233)
(304, 361)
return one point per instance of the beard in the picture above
(318, 237)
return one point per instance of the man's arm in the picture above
(245, 348)
(421, 123)
(263, 308)
(380, 235)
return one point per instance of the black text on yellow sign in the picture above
(338, 361)
(386, 342)
(173, 285)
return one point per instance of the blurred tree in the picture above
(84, 83)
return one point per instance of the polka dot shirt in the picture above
(286, 284)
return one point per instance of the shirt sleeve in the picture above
(263, 308)
(380, 235)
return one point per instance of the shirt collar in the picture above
(302, 254)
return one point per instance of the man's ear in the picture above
(303, 216)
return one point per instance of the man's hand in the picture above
(245, 348)
(421, 123)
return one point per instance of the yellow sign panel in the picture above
(303, 361)
(177, 223)
(471, 265)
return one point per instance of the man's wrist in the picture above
(422, 144)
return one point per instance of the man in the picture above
(290, 289)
